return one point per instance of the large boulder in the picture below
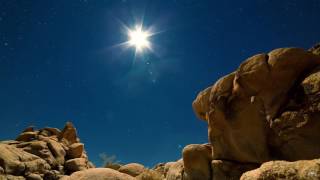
(77, 164)
(132, 169)
(100, 174)
(75, 150)
(241, 107)
(40, 149)
(197, 161)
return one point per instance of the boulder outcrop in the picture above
(99, 174)
(303, 169)
(43, 154)
(241, 107)
(269, 108)
(132, 169)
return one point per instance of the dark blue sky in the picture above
(59, 62)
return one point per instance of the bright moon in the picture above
(139, 38)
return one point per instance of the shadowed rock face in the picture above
(242, 107)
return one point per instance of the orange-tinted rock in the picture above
(77, 164)
(174, 170)
(57, 150)
(27, 136)
(18, 162)
(75, 150)
(132, 169)
(299, 170)
(150, 174)
(100, 174)
(243, 104)
(68, 134)
(197, 161)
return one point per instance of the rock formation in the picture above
(263, 123)
(43, 154)
(268, 109)
(304, 169)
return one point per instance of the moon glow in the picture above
(139, 38)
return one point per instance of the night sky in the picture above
(62, 61)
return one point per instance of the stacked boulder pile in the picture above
(43, 154)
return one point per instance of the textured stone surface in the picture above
(228, 170)
(174, 170)
(242, 105)
(34, 177)
(39, 153)
(68, 134)
(132, 169)
(77, 164)
(100, 174)
(299, 170)
(75, 150)
(296, 129)
(197, 161)
(15, 161)
(150, 174)
(27, 136)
